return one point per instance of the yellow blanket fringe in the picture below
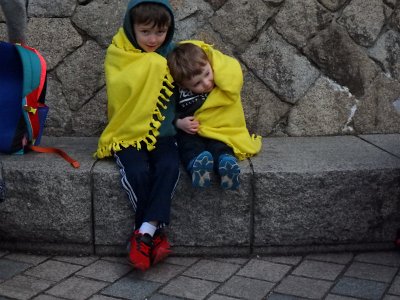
(221, 116)
(136, 84)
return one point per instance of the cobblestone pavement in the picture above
(341, 276)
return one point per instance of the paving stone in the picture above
(23, 287)
(371, 272)
(220, 297)
(391, 297)
(46, 297)
(238, 261)
(191, 288)
(339, 258)
(287, 260)
(76, 288)
(391, 258)
(9, 268)
(182, 261)
(275, 296)
(118, 259)
(53, 270)
(336, 297)
(360, 288)
(261, 269)
(101, 297)
(395, 287)
(247, 288)
(3, 253)
(131, 289)
(105, 271)
(27, 258)
(212, 270)
(77, 260)
(159, 273)
(318, 269)
(162, 297)
(303, 287)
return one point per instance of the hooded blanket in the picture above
(138, 90)
(221, 116)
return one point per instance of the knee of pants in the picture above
(137, 173)
(169, 167)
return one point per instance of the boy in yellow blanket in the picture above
(212, 131)
(140, 133)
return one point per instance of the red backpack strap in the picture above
(60, 152)
(34, 78)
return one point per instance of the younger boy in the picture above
(212, 129)
(140, 134)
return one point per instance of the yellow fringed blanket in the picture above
(138, 85)
(221, 116)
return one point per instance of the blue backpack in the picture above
(22, 98)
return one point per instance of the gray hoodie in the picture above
(15, 13)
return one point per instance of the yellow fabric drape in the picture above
(221, 116)
(138, 85)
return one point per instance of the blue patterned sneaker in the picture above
(229, 171)
(201, 169)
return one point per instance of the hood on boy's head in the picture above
(128, 24)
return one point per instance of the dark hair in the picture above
(147, 13)
(186, 61)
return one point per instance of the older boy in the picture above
(212, 129)
(140, 133)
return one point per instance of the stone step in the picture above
(299, 194)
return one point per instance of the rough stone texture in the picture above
(231, 210)
(332, 4)
(47, 200)
(334, 190)
(300, 179)
(100, 19)
(283, 46)
(376, 111)
(326, 108)
(280, 66)
(55, 38)
(297, 21)
(59, 8)
(340, 58)
(239, 30)
(78, 84)
(364, 20)
(387, 51)
(112, 211)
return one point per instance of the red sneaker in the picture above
(140, 249)
(161, 248)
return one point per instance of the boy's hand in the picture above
(189, 125)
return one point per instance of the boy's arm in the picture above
(15, 13)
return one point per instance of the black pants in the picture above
(191, 145)
(150, 178)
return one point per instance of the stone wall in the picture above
(312, 67)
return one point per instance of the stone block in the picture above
(335, 190)
(201, 219)
(48, 202)
(212, 219)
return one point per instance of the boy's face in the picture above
(202, 83)
(149, 37)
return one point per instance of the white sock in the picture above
(147, 228)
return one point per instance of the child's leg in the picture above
(135, 179)
(227, 165)
(164, 169)
(197, 161)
